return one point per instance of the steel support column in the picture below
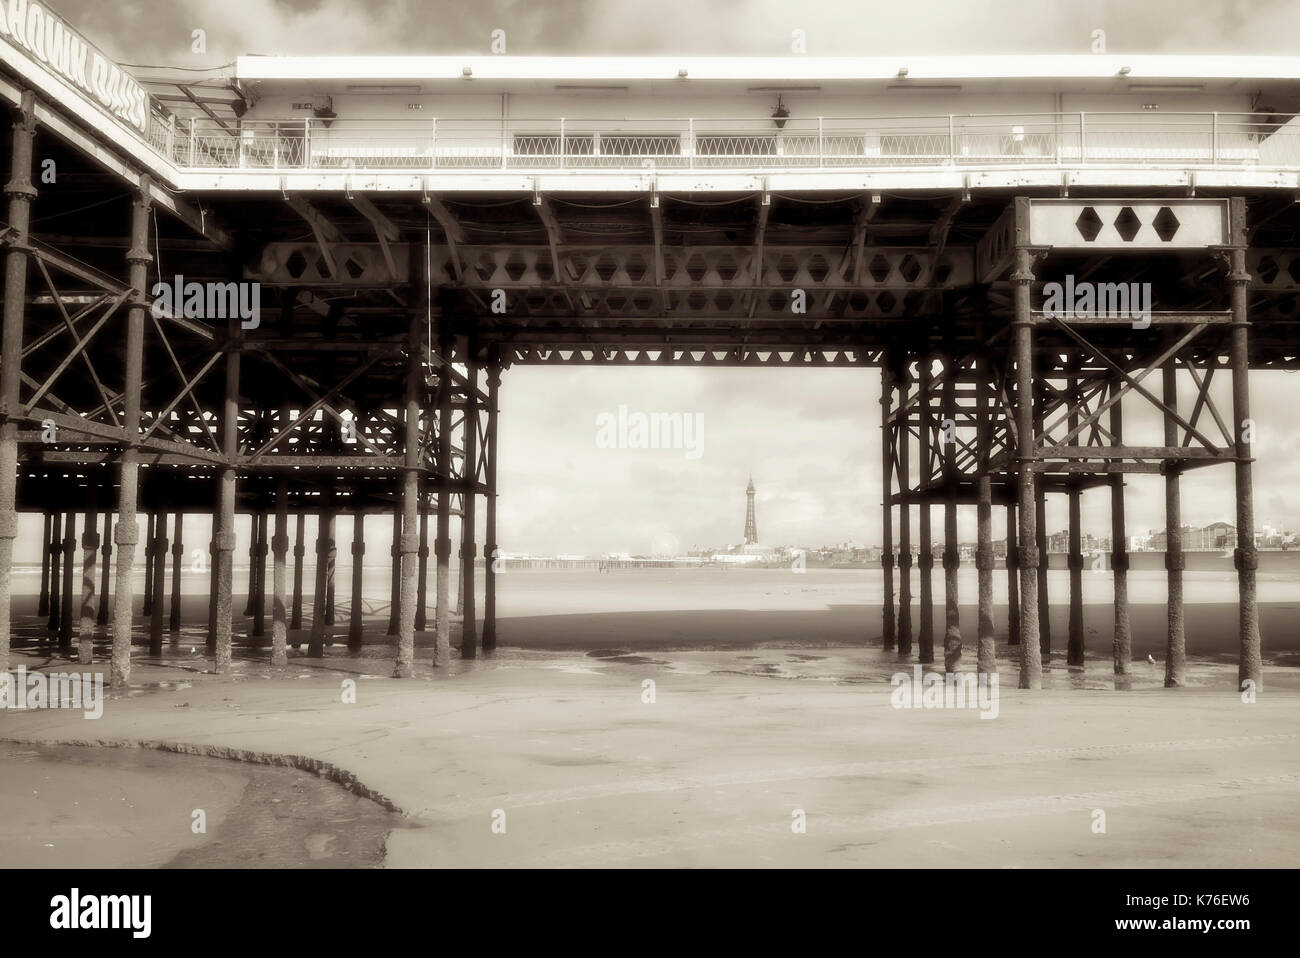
(178, 560)
(157, 572)
(1249, 668)
(409, 540)
(422, 600)
(1122, 645)
(1022, 276)
(1176, 636)
(146, 607)
(43, 603)
(925, 563)
(469, 624)
(1044, 611)
(69, 571)
(986, 649)
(1013, 591)
(442, 538)
(279, 551)
(890, 635)
(903, 440)
(395, 580)
(89, 557)
(355, 623)
(299, 553)
(952, 645)
(106, 568)
(490, 508)
(1074, 653)
(224, 535)
(56, 580)
(126, 533)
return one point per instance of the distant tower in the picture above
(751, 528)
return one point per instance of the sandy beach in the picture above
(771, 698)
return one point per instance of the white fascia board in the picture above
(1151, 68)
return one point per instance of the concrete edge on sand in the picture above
(318, 767)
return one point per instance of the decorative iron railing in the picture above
(992, 140)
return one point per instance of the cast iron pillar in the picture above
(126, 533)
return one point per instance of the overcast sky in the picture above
(811, 438)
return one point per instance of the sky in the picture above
(810, 438)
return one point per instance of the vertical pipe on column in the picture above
(299, 552)
(442, 538)
(89, 556)
(279, 551)
(178, 559)
(69, 569)
(1176, 638)
(107, 552)
(951, 559)
(1013, 591)
(1122, 646)
(260, 521)
(469, 624)
(1074, 653)
(126, 533)
(1022, 275)
(396, 580)
(252, 561)
(409, 542)
(146, 608)
(925, 634)
(986, 650)
(890, 636)
(904, 442)
(20, 193)
(224, 537)
(422, 599)
(43, 604)
(214, 571)
(1040, 534)
(490, 505)
(320, 594)
(157, 571)
(1246, 558)
(358, 569)
(56, 582)
(331, 567)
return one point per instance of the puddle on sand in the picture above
(284, 818)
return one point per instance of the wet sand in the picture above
(771, 697)
(76, 807)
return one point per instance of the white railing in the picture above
(991, 140)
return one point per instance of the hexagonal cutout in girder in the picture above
(1088, 224)
(1127, 224)
(1267, 269)
(910, 268)
(1166, 224)
(1293, 269)
(879, 268)
(818, 267)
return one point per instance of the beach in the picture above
(769, 696)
